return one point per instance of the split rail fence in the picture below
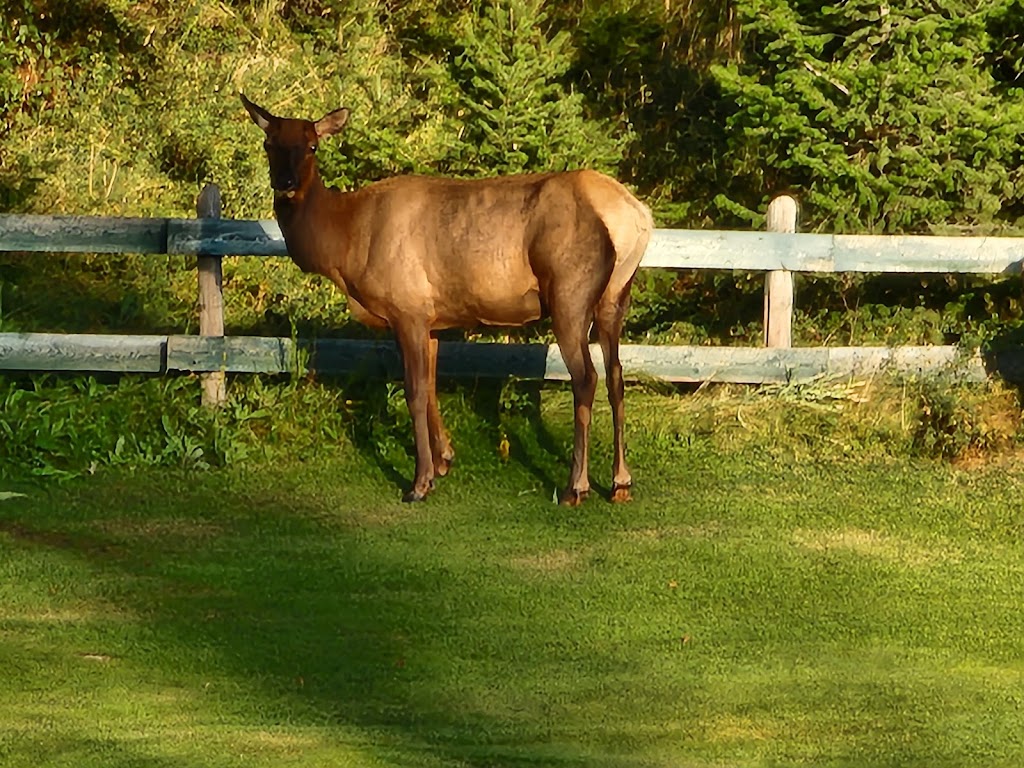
(778, 252)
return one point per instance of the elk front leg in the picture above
(572, 342)
(414, 343)
(440, 444)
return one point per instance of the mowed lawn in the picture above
(743, 610)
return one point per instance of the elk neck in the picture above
(313, 221)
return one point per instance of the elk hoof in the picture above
(573, 498)
(418, 495)
(621, 493)
(444, 465)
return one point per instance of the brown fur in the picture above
(419, 254)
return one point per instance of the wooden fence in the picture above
(778, 252)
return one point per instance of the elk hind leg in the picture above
(608, 319)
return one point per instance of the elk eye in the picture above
(313, 148)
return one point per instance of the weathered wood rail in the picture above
(778, 253)
(242, 354)
(669, 248)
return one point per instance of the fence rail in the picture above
(380, 359)
(778, 253)
(669, 248)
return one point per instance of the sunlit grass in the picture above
(757, 604)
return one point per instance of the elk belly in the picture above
(507, 309)
(486, 284)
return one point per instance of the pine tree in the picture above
(511, 107)
(883, 117)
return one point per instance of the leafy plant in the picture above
(66, 427)
(964, 422)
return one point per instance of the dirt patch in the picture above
(554, 561)
(82, 542)
(876, 545)
(729, 729)
(167, 528)
(707, 530)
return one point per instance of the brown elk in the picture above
(419, 254)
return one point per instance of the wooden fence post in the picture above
(778, 285)
(211, 298)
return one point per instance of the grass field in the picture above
(763, 602)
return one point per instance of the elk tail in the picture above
(629, 227)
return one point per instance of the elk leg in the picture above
(440, 443)
(609, 319)
(414, 343)
(572, 342)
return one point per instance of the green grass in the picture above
(762, 602)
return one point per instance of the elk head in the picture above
(291, 145)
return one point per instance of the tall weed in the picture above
(68, 426)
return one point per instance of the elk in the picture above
(418, 254)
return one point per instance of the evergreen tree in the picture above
(510, 108)
(882, 117)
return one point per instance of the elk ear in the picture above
(331, 123)
(259, 115)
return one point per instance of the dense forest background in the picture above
(882, 118)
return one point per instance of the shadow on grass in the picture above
(316, 614)
(512, 411)
(478, 417)
(83, 749)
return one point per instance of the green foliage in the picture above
(899, 117)
(859, 309)
(699, 307)
(53, 429)
(883, 118)
(646, 61)
(67, 427)
(519, 397)
(902, 118)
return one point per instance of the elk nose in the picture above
(284, 183)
